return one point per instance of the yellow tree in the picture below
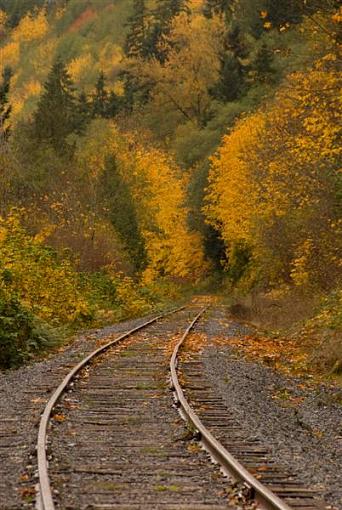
(276, 181)
(182, 83)
(158, 189)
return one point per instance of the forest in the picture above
(154, 148)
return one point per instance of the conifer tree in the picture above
(84, 107)
(135, 45)
(5, 107)
(104, 104)
(263, 64)
(57, 115)
(235, 43)
(168, 9)
(212, 7)
(100, 97)
(290, 11)
(114, 104)
(232, 73)
(122, 212)
(230, 85)
(135, 92)
(164, 13)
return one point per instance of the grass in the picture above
(164, 488)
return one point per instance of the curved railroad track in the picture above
(109, 439)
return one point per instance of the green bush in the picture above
(21, 334)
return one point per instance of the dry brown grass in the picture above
(276, 310)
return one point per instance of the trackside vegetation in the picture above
(149, 146)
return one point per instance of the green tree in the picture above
(84, 107)
(100, 97)
(280, 12)
(16, 9)
(58, 115)
(122, 214)
(231, 83)
(137, 36)
(104, 104)
(235, 42)
(212, 7)
(5, 107)
(164, 13)
(168, 9)
(262, 64)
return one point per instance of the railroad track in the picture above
(246, 460)
(109, 438)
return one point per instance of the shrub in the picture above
(45, 284)
(21, 334)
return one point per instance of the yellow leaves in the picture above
(337, 16)
(79, 66)
(46, 285)
(230, 180)
(44, 234)
(45, 54)
(119, 88)
(9, 54)
(32, 88)
(31, 27)
(191, 69)
(275, 175)
(3, 20)
(299, 273)
(130, 299)
(158, 190)
(109, 58)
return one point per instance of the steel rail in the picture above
(45, 493)
(219, 453)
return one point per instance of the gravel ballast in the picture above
(23, 395)
(301, 424)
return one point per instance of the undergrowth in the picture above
(22, 335)
(306, 319)
(41, 294)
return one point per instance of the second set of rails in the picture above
(126, 405)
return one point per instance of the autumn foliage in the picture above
(148, 144)
(275, 183)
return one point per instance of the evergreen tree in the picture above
(235, 43)
(164, 13)
(231, 83)
(262, 64)
(84, 108)
(114, 104)
(122, 212)
(100, 97)
(232, 72)
(212, 7)
(57, 115)
(5, 108)
(104, 104)
(168, 9)
(135, 45)
(280, 12)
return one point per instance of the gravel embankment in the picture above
(300, 423)
(23, 394)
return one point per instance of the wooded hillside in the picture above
(151, 144)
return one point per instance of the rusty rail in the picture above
(229, 464)
(44, 496)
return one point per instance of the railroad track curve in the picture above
(45, 497)
(112, 417)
